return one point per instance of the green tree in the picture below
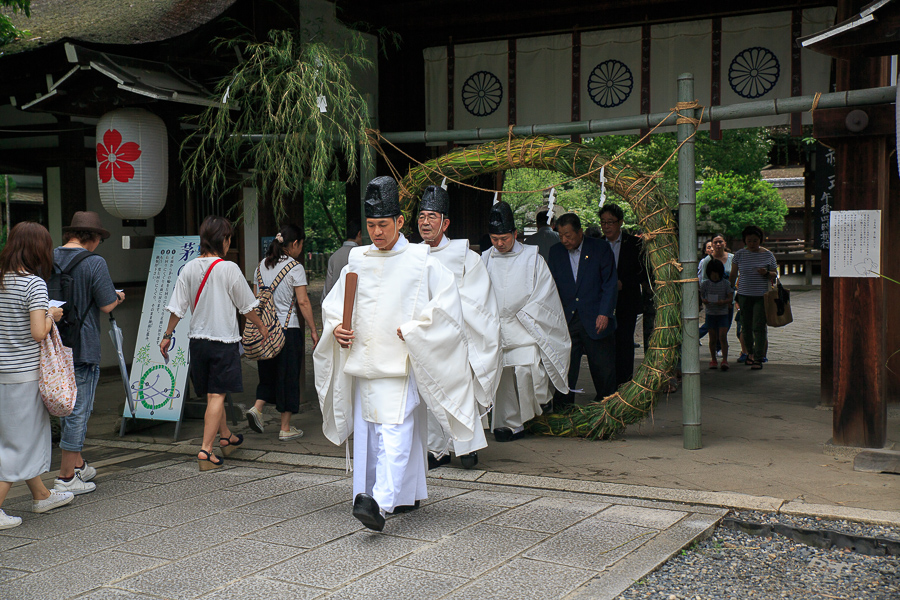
(740, 152)
(8, 31)
(289, 111)
(736, 201)
(324, 216)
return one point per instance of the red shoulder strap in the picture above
(203, 283)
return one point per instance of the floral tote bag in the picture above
(57, 382)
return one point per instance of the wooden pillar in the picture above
(891, 267)
(576, 81)
(858, 305)
(71, 172)
(646, 45)
(715, 80)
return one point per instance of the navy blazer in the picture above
(631, 273)
(595, 291)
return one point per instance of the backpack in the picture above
(254, 346)
(62, 287)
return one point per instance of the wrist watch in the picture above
(168, 336)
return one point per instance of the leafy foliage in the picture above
(736, 201)
(580, 196)
(324, 211)
(274, 95)
(8, 31)
(740, 152)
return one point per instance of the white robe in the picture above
(534, 337)
(482, 326)
(406, 288)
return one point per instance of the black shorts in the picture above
(215, 367)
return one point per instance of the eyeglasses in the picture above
(610, 222)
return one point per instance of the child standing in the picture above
(717, 295)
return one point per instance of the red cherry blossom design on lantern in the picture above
(113, 157)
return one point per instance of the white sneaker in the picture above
(255, 420)
(76, 485)
(9, 521)
(292, 434)
(54, 500)
(87, 472)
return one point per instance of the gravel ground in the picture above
(732, 564)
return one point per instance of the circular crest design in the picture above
(753, 72)
(610, 83)
(482, 93)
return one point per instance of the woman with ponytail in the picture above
(279, 377)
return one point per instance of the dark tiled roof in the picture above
(112, 21)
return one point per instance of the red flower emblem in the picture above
(113, 157)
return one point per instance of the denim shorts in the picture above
(718, 321)
(74, 426)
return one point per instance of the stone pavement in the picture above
(158, 528)
(540, 517)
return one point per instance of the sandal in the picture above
(229, 446)
(208, 463)
(756, 366)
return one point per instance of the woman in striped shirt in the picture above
(757, 269)
(25, 320)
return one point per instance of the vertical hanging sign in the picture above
(157, 384)
(826, 185)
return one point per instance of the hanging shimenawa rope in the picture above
(375, 139)
(633, 400)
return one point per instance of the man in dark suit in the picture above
(630, 271)
(584, 269)
(544, 238)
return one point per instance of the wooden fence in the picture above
(317, 263)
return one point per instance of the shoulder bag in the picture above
(777, 302)
(57, 381)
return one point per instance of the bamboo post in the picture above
(687, 242)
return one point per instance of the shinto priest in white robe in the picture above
(373, 389)
(482, 326)
(534, 337)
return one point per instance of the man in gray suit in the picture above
(340, 257)
(544, 237)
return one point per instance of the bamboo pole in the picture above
(687, 241)
(744, 110)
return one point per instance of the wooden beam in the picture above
(835, 123)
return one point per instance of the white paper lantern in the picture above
(132, 163)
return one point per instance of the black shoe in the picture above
(434, 463)
(367, 511)
(405, 508)
(469, 460)
(505, 434)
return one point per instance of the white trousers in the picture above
(521, 392)
(440, 443)
(389, 461)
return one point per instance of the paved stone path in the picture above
(795, 344)
(164, 530)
